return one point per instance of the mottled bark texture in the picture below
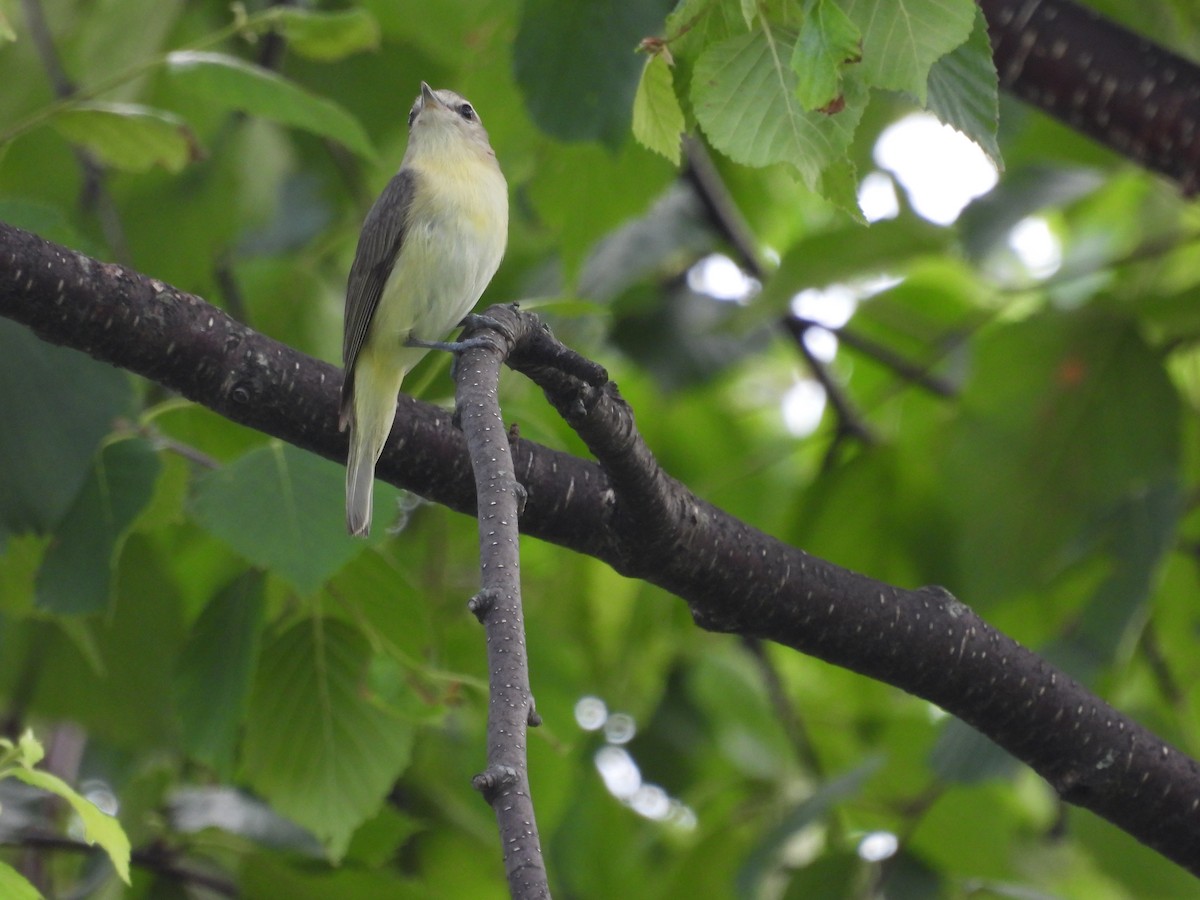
(1138, 98)
(505, 781)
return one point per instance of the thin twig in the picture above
(155, 858)
(505, 781)
(94, 197)
(785, 710)
(885, 356)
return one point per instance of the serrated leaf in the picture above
(213, 678)
(12, 883)
(657, 116)
(129, 136)
(282, 509)
(903, 38)
(827, 41)
(329, 36)
(744, 96)
(316, 745)
(237, 84)
(77, 570)
(98, 827)
(964, 91)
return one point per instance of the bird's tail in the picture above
(373, 407)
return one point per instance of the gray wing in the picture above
(378, 246)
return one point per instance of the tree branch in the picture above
(632, 515)
(505, 782)
(1140, 99)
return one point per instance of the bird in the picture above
(428, 248)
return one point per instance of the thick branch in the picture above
(643, 523)
(1138, 98)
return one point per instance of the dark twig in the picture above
(1138, 98)
(505, 781)
(1160, 670)
(725, 218)
(155, 858)
(885, 356)
(723, 214)
(785, 710)
(94, 196)
(850, 423)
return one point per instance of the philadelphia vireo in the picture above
(429, 246)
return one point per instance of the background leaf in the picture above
(58, 405)
(657, 118)
(282, 509)
(576, 66)
(128, 136)
(317, 746)
(329, 36)
(775, 128)
(15, 886)
(236, 84)
(77, 570)
(903, 39)
(98, 827)
(828, 40)
(963, 91)
(216, 668)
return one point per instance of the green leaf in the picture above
(98, 827)
(827, 41)
(964, 92)
(749, 12)
(316, 745)
(558, 193)
(657, 116)
(329, 36)
(1087, 420)
(576, 66)
(20, 562)
(7, 35)
(283, 509)
(212, 682)
(57, 404)
(30, 748)
(130, 137)
(12, 883)
(76, 574)
(237, 84)
(744, 96)
(903, 38)
(888, 247)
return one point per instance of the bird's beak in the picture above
(428, 97)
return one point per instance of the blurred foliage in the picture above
(301, 713)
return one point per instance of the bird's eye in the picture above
(467, 112)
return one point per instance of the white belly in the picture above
(452, 248)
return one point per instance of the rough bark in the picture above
(1136, 97)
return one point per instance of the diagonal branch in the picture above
(632, 515)
(1138, 98)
